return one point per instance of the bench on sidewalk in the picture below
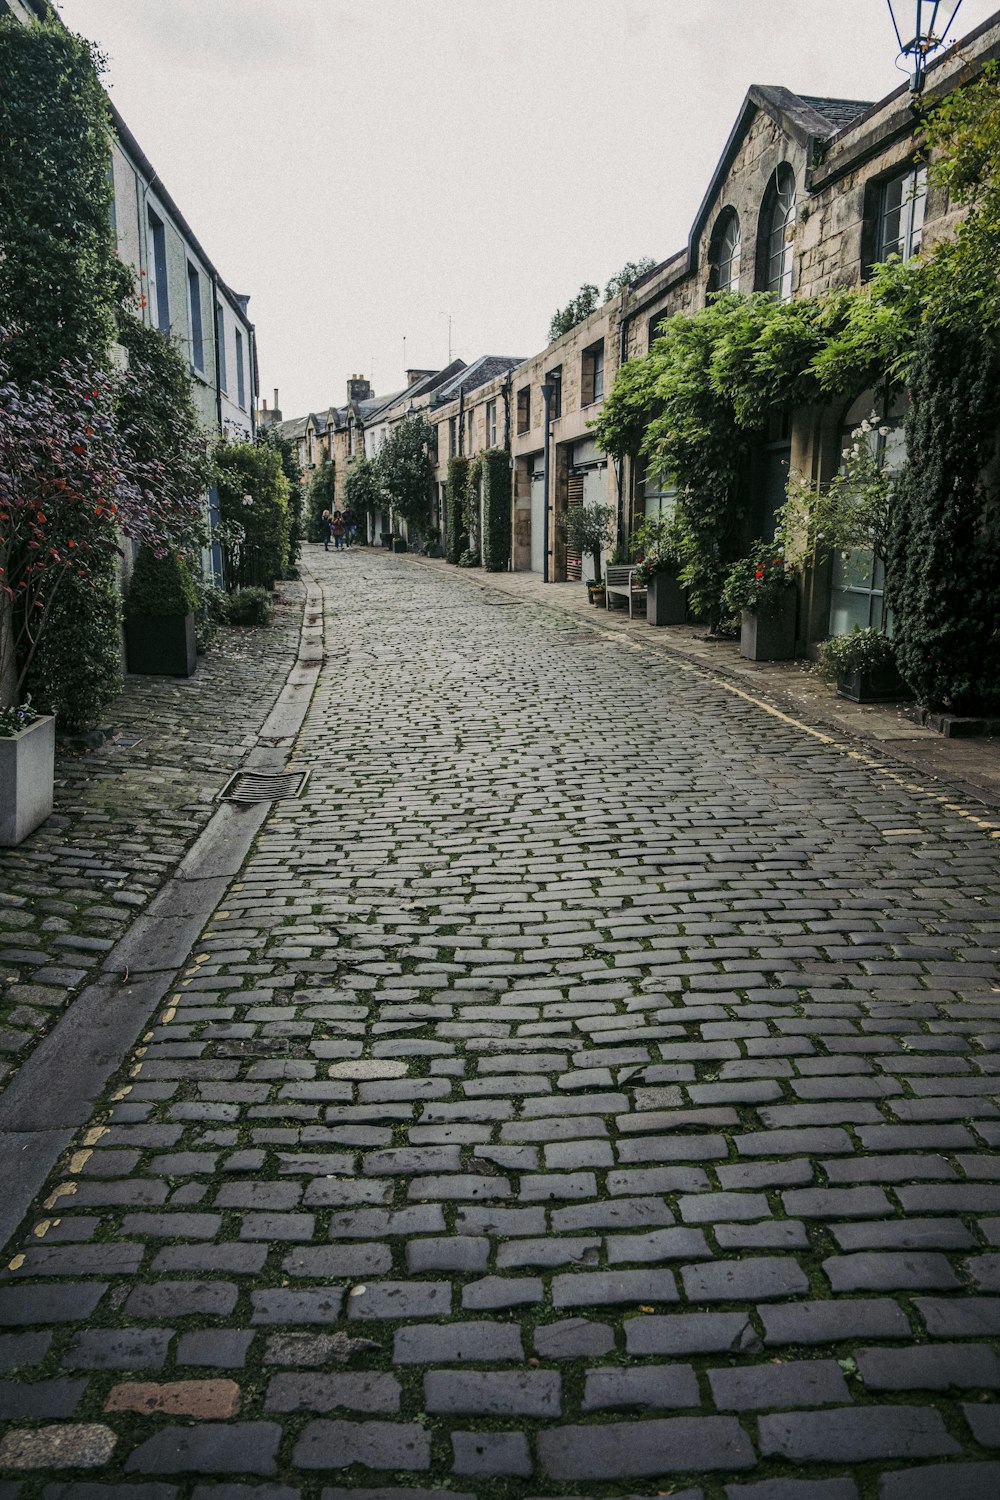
(618, 579)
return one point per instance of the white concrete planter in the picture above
(27, 767)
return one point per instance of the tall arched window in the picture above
(776, 239)
(726, 246)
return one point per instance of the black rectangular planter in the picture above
(882, 686)
(770, 636)
(161, 645)
(666, 601)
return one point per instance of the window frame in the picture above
(491, 423)
(912, 184)
(241, 389)
(776, 249)
(194, 316)
(524, 410)
(726, 251)
(157, 274)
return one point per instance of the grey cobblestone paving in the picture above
(124, 815)
(590, 1088)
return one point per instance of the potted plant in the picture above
(760, 589)
(398, 543)
(588, 530)
(596, 592)
(657, 544)
(27, 768)
(159, 616)
(863, 666)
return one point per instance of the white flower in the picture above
(866, 426)
(884, 431)
(248, 500)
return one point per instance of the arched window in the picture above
(776, 238)
(724, 253)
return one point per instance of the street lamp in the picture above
(926, 38)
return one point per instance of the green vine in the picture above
(495, 540)
(456, 531)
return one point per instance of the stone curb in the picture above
(55, 1089)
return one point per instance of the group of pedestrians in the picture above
(340, 525)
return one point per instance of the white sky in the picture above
(362, 168)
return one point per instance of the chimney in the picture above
(277, 403)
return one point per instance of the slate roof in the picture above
(482, 370)
(294, 428)
(840, 112)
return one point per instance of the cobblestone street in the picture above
(588, 1088)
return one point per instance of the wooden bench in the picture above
(618, 580)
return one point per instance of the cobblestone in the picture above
(516, 1126)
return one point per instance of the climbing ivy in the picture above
(456, 489)
(495, 540)
(943, 570)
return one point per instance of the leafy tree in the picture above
(253, 498)
(578, 308)
(364, 492)
(270, 437)
(407, 472)
(943, 573)
(319, 497)
(588, 529)
(630, 271)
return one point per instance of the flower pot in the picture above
(398, 544)
(770, 635)
(595, 593)
(385, 537)
(666, 601)
(881, 685)
(161, 645)
(27, 767)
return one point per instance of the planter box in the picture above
(882, 686)
(770, 637)
(398, 544)
(666, 601)
(27, 767)
(161, 645)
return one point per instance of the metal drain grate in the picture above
(259, 786)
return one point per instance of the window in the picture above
(241, 393)
(220, 339)
(469, 429)
(160, 308)
(901, 214)
(194, 311)
(777, 248)
(491, 424)
(524, 409)
(727, 241)
(452, 436)
(592, 375)
(659, 496)
(858, 580)
(554, 378)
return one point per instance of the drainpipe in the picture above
(547, 390)
(620, 466)
(215, 340)
(461, 420)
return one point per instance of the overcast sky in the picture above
(363, 170)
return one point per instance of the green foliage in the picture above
(657, 547)
(270, 437)
(943, 568)
(963, 135)
(161, 586)
(588, 529)
(61, 283)
(319, 495)
(761, 354)
(576, 309)
(74, 683)
(407, 472)
(630, 271)
(758, 581)
(852, 511)
(253, 495)
(158, 420)
(456, 488)
(628, 409)
(495, 540)
(870, 332)
(861, 651)
(364, 492)
(252, 606)
(469, 558)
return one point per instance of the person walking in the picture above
(337, 528)
(350, 528)
(326, 523)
